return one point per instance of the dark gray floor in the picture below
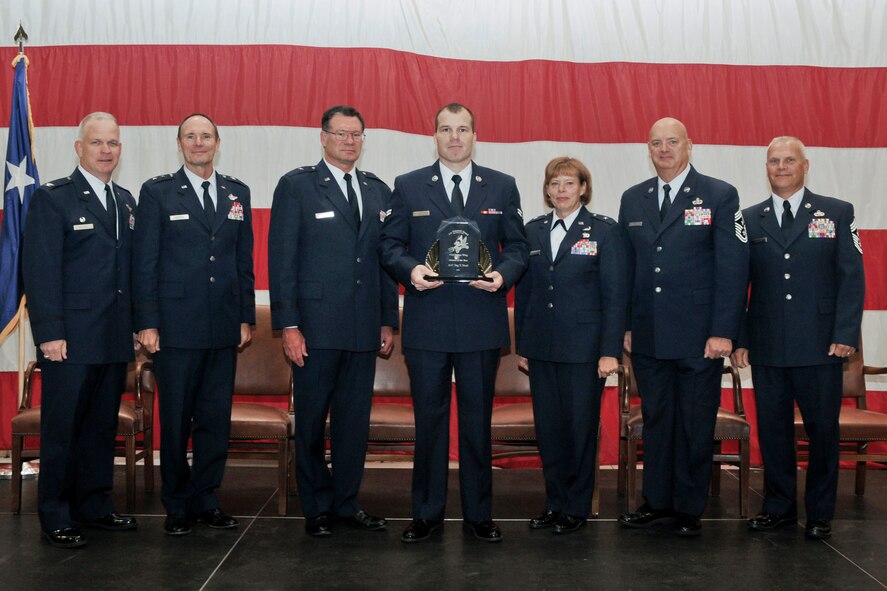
(271, 552)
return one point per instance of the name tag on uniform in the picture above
(584, 247)
(84, 227)
(420, 214)
(635, 224)
(697, 217)
(179, 217)
(821, 228)
(323, 215)
(535, 252)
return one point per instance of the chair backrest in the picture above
(262, 367)
(854, 379)
(511, 379)
(392, 378)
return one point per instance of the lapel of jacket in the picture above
(680, 201)
(650, 204)
(371, 201)
(573, 234)
(223, 202)
(541, 237)
(330, 189)
(190, 200)
(768, 222)
(802, 219)
(436, 192)
(477, 193)
(93, 205)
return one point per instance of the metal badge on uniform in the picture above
(478, 178)
(821, 228)
(818, 213)
(178, 217)
(231, 197)
(686, 189)
(434, 178)
(236, 212)
(697, 217)
(323, 215)
(697, 201)
(491, 211)
(535, 252)
(584, 247)
(422, 213)
(83, 227)
(82, 219)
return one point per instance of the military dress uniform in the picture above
(193, 282)
(569, 311)
(325, 279)
(453, 326)
(807, 291)
(688, 277)
(76, 268)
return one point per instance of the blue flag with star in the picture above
(19, 181)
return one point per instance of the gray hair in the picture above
(98, 115)
(788, 139)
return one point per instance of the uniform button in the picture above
(788, 296)
(120, 291)
(550, 305)
(658, 249)
(358, 282)
(550, 288)
(657, 270)
(788, 275)
(212, 258)
(212, 279)
(787, 256)
(551, 268)
(211, 238)
(358, 259)
(658, 290)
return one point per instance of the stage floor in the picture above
(272, 552)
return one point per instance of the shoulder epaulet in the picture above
(233, 179)
(57, 183)
(371, 175)
(604, 218)
(304, 169)
(159, 178)
(538, 217)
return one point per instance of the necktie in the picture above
(111, 206)
(787, 218)
(457, 200)
(663, 209)
(352, 200)
(559, 223)
(208, 204)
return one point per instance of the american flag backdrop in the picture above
(572, 77)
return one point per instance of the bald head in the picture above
(787, 166)
(670, 148)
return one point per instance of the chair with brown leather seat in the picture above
(731, 425)
(858, 425)
(260, 430)
(135, 432)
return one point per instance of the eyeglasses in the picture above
(357, 136)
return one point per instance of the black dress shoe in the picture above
(686, 526)
(217, 519)
(177, 525)
(765, 521)
(363, 520)
(646, 516)
(114, 522)
(547, 519)
(487, 531)
(817, 529)
(568, 524)
(419, 529)
(321, 525)
(67, 537)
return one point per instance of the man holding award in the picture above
(444, 218)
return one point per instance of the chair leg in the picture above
(631, 475)
(620, 468)
(130, 441)
(148, 445)
(16, 466)
(716, 472)
(282, 462)
(291, 465)
(744, 469)
(860, 470)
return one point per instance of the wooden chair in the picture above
(135, 432)
(730, 426)
(258, 430)
(858, 425)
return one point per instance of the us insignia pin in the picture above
(477, 178)
(650, 190)
(806, 206)
(326, 179)
(686, 189)
(82, 219)
(184, 186)
(434, 178)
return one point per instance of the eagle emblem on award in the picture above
(458, 255)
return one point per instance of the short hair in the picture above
(564, 165)
(788, 138)
(453, 108)
(191, 116)
(344, 110)
(98, 115)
